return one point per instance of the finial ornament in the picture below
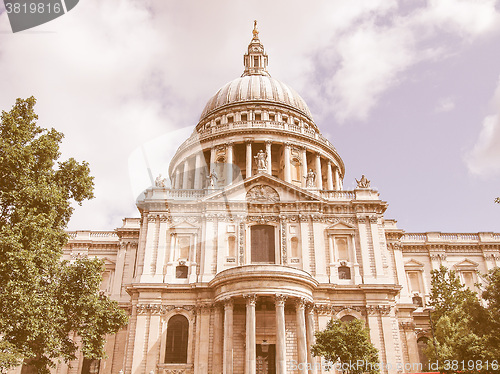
(255, 31)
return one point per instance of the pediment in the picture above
(466, 264)
(261, 189)
(413, 264)
(341, 225)
(183, 224)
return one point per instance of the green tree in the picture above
(44, 301)
(347, 345)
(462, 325)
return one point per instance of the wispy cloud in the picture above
(484, 158)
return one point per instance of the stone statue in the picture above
(160, 182)
(261, 160)
(310, 178)
(363, 182)
(213, 178)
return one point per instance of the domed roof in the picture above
(256, 88)
(256, 84)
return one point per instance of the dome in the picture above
(256, 88)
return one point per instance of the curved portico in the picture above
(261, 290)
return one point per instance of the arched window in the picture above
(262, 239)
(421, 346)
(177, 340)
(295, 170)
(347, 318)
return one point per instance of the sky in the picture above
(407, 91)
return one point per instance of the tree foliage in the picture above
(44, 301)
(347, 345)
(466, 330)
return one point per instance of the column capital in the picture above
(300, 303)
(288, 144)
(280, 299)
(251, 299)
(228, 303)
(268, 142)
(248, 141)
(229, 144)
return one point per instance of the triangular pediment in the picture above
(182, 224)
(262, 188)
(466, 264)
(413, 264)
(341, 225)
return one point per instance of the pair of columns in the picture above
(305, 337)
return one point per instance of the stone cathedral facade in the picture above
(253, 245)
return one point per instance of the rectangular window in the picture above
(468, 277)
(256, 62)
(414, 281)
(262, 240)
(257, 116)
(342, 249)
(244, 117)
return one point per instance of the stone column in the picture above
(177, 178)
(268, 153)
(218, 343)
(120, 263)
(147, 272)
(228, 336)
(229, 163)
(250, 353)
(249, 158)
(319, 177)
(310, 336)
(280, 334)
(304, 166)
(162, 249)
(197, 172)
(185, 176)
(287, 162)
(204, 342)
(338, 181)
(301, 335)
(329, 175)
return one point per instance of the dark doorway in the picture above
(262, 239)
(177, 340)
(266, 359)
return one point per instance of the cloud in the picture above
(372, 54)
(484, 158)
(445, 104)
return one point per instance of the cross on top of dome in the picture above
(255, 60)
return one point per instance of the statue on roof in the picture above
(363, 182)
(160, 182)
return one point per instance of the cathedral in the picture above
(252, 245)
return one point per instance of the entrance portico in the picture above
(264, 311)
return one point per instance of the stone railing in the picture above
(200, 135)
(449, 237)
(337, 195)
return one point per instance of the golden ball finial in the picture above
(255, 31)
